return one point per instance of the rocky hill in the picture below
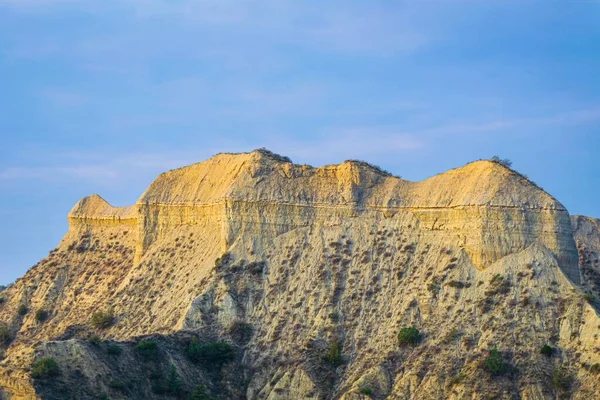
(247, 276)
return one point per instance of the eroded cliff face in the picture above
(477, 257)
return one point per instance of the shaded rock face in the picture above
(284, 261)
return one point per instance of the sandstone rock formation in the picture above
(284, 262)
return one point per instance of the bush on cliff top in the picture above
(44, 368)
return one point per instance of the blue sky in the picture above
(99, 96)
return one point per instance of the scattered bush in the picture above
(409, 336)
(22, 310)
(117, 385)
(147, 349)
(44, 368)
(456, 284)
(547, 350)
(173, 381)
(590, 298)
(504, 161)
(2, 300)
(269, 153)
(213, 353)
(334, 355)
(595, 369)
(561, 379)
(494, 364)
(102, 320)
(199, 393)
(41, 315)
(240, 332)
(223, 260)
(498, 285)
(456, 379)
(5, 335)
(366, 391)
(113, 349)
(95, 340)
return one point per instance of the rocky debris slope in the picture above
(258, 278)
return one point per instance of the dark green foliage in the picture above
(95, 340)
(240, 332)
(366, 391)
(409, 336)
(494, 364)
(456, 379)
(456, 284)
(102, 320)
(158, 387)
(147, 349)
(2, 300)
(117, 385)
(333, 356)
(199, 393)
(275, 156)
(223, 260)
(173, 381)
(590, 298)
(113, 349)
(547, 350)
(22, 310)
(41, 315)
(372, 166)
(504, 161)
(171, 385)
(256, 267)
(561, 379)
(212, 353)
(44, 368)
(5, 335)
(595, 369)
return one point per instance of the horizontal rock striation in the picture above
(282, 261)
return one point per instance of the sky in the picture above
(100, 96)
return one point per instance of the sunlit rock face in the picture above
(476, 257)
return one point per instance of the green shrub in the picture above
(214, 353)
(199, 393)
(158, 387)
(494, 364)
(102, 319)
(561, 379)
(95, 340)
(117, 385)
(456, 379)
(409, 336)
(547, 350)
(44, 368)
(41, 315)
(334, 355)
(366, 391)
(240, 332)
(2, 300)
(147, 349)
(113, 349)
(504, 161)
(22, 310)
(590, 298)
(595, 369)
(173, 381)
(5, 335)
